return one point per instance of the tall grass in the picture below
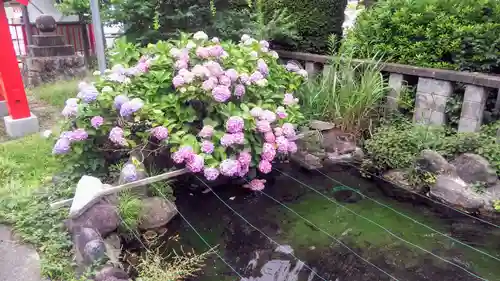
(348, 93)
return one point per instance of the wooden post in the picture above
(15, 95)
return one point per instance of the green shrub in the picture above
(454, 34)
(348, 94)
(129, 207)
(315, 21)
(396, 146)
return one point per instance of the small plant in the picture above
(129, 207)
(478, 187)
(496, 205)
(349, 94)
(155, 267)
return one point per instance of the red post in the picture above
(91, 37)
(15, 95)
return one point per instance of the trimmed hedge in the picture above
(453, 34)
(315, 21)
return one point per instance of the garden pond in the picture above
(291, 232)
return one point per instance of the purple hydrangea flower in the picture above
(288, 130)
(244, 78)
(209, 84)
(265, 166)
(160, 133)
(211, 174)
(202, 52)
(119, 101)
(269, 137)
(206, 132)
(232, 74)
(292, 67)
(78, 135)
(238, 138)
(282, 144)
(229, 167)
(263, 126)
(268, 152)
(131, 106)
(292, 147)
(221, 93)
(96, 121)
(116, 136)
(195, 163)
(184, 153)
(227, 140)
(256, 76)
(256, 184)
(281, 112)
(268, 116)
(224, 80)
(245, 159)
(214, 68)
(288, 99)
(234, 124)
(62, 146)
(262, 67)
(216, 51)
(178, 81)
(70, 110)
(207, 147)
(239, 90)
(129, 172)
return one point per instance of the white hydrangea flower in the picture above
(106, 89)
(303, 73)
(245, 37)
(174, 52)
(274, 54)
(261, 82)
(96, 73)
(215, 40)
(190, 45)
(200, 35)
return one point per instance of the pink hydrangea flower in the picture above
(281, 112)
(243, 171)
(180, 64)
(211, 174)
(239, 90)
(282, 144)
(200, 71)
(245, 158)
(184, 153)
(209, 84)
(268, 116)
(238, 138)
(278, 131)
(268, 152)
(224, 80)
(160, 133)
(216, 50)
(265, 166)
(214, 68)
(195, 163)
(187, 75)
(96, 121)
(292, 147)
(256, 76)
(207, 147)
(256, 112)
(227, 140)
(178, 81)
(116, 136)
(232, 74)
(256, 184)
(202, 52)
(288, 130)
(244, 78)
(263, 126)
(269, 137)
(234, 124)
(262, 67)
(221, 93)
(229, 167)
(206, 132)
(288, 99)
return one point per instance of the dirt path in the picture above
(47, 116)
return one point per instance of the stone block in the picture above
(49, 69)
(311, 69)
(429, 117)
(4, 111)
(431, 101)
(395, 85)
(16, 128)
(437, 87)
(51, 51)
(472, 110)
(48, 40)
(468, 125)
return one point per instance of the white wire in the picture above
(249, 223)
(382, 227)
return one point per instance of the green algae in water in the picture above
(360, 233)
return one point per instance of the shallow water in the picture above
(293, 233)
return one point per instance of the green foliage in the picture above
(129, 207)
(395, 146)
(349, 94)
(25, 166)
(315, 21)
(454, 34)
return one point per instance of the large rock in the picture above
(110, 272)
(307, 160)
(473, 168)
(103, 217)
(156, 212)
(432, 161)
(93, 251)
(88, 246)
(454, 191)
(321, 125)
(113, 248)
(338, 142)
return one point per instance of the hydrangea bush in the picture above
(221, 108)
